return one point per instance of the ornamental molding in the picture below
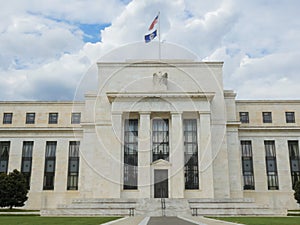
(112, 96)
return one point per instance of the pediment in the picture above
(161, 163)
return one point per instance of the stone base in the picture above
(162, 207)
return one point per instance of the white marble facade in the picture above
(145, 91)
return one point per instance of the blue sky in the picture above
(47, 47)
(92, 32)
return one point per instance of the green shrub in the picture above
(13, 189)
(297, 192)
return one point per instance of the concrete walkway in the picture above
(168, 221)
(134, 220)
(186, 220)
(207, 221)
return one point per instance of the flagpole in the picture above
(159, 47)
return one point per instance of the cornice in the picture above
(200, 95)
(269, 128)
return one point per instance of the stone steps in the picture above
(153, 207)
(93, 207)
(231, 207)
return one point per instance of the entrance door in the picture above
(161, 184)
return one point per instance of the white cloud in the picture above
(42, 48)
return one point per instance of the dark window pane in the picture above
(7, 118)
(4, 156)
(27, 160)
(247, 165)
(130, 154)
(267, 117)
(271, 165)
(294, 161)
(290, 117)
(53, 118)
(160, 139)
(76, 118)
(50, 160)
(191, 172)
(244, 117)
(30, 118)
(73, 168)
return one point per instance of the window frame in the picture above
(30, 118)
(76, 118)
(294, 158)
(191, 165)
(53, 118)
(4, 158)
(27, 158)
(290, 117)
(267, 117)
(244, 118)
(73, 176)
(247, 156)
(271, 159)
(130, 170)
(160, 132)
(7, 120)
(50, 157)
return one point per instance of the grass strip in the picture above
(262, 220)
(38, 220)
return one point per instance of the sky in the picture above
(47, 47)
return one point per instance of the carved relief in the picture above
(160, 81)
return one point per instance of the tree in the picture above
(297, 192)
(13, 189)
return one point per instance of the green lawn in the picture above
(17, 210)
(263, 220)
(37, 220)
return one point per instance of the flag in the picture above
(154, 22)
(151, 36)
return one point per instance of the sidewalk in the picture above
(134, 220)
(207, 221)
(142, 220)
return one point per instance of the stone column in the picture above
(144, 155)
(205, 158)
(234, 161)
(38, 165)
(115, 156)
(15, 155)
(61, 168)
(176, 156)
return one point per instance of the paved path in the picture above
(168, 221)
(134, 220)
(207, 221)
(186, 220)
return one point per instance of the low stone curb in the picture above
(20, 213)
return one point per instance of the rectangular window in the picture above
(290, 117)
(7, 118)
(294, 161)
(130, 154)
(75, 118)
(267, 117)
(247, 165)
(27, 160)
(53, 118)
(73, 168)
(4, 156)
(30, 118)
(271, 165)
(160, 139)
(191, 172)
(244, 117)
(49, 172)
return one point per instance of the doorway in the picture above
(161, 184)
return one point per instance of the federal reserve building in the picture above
(155, 134)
